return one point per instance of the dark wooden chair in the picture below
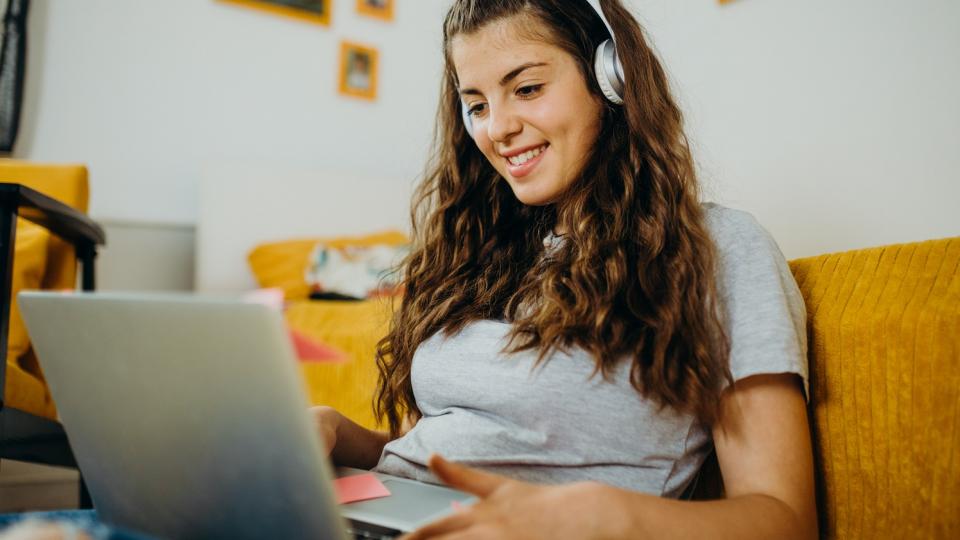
(25, 436)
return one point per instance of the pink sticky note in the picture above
(311, 350)
(361, 487)
(307, 348)
(272, 298)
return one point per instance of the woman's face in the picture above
(533, 116)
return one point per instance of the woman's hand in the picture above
(347, 443)
(512, 509)
(326, 419)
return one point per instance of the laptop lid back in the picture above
(187, 416)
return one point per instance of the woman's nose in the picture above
(502, 125)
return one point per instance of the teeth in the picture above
(520, 159)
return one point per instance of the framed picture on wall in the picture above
(315, 11)
(380, 9)
(358, 70)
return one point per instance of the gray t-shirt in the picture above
(557, 424)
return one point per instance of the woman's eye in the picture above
(529, 91)
(475, 110)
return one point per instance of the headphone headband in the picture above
(595, 4)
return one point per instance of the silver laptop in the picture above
(188, 418)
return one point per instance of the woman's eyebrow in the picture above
(506, 78)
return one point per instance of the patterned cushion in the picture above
(283, 264)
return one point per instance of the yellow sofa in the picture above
(884, 353)
(354, 327)
(884, 349)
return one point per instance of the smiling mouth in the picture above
(520, 159)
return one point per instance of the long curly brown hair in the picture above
(634, 279)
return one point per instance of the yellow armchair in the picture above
(43, 232)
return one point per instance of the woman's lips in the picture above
(519, 171)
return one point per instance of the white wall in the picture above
(836, 123)
(149, 93)
(146, 257)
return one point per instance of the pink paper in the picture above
(361, 487)
(307, 348)
(311, 350)
(272, 298)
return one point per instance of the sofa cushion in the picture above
(354, 328)
(283, 264)
(25, 387)
(884, 347)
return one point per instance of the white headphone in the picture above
(606, 68)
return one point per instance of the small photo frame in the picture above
(315, 11)
(378, 9)
(359, 66)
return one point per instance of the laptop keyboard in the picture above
(364, 535)
(367, 531)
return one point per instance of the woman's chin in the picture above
(530, 195)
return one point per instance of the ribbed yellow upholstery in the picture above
(884, 336)
(352, 327)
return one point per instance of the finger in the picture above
(450, 524)
(464, 478)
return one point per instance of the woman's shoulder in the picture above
(726, 223)
(737, 233)
(748, 257)
(764, 313)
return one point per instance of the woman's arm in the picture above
(763, 446)
(764, 450)
(350, 444)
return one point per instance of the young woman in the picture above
(577, 331)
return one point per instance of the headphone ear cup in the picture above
(609, 72)
(467, 119)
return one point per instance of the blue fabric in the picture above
(84, 520)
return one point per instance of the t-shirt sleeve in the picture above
(763, 311)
